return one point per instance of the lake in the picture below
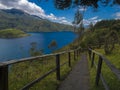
(20, 47)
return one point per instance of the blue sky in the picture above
(47, 10)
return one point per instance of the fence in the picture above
(102, 59)
(4, 68)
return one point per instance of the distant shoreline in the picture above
(48, 31)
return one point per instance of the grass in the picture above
(111, 79)
(93, 76)
(12, 33)
(22, 73)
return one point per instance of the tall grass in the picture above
(22, 73)
(111, 79)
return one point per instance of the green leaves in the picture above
(63, 4)
(12, 33)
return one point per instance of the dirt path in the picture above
(78, 79)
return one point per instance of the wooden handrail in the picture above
(114, 70)
(4, 68)
(33, 58)
(108, 63)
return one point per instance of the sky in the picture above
(48, 11)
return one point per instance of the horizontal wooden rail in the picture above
(4, 67)
(109, 64)
(32, 58)
(113, 69)
(26, 87)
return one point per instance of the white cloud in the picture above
(30, 8)
(65, 22)
(3, 6)
(117, 15)
(81, 8)
(94, 20)
(51, 16)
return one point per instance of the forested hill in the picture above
(13, 18)
(113, 24)
(105, 32)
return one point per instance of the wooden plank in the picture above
(112, 67)
(92, 62)
(89, 53)
(32, 58)
(58, 67)
(69, 59)
(108, 63)
(26, 87)
(4, 78)
(99, 67)
(104, 82)
(4, 69)
(2, 64)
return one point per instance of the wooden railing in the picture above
(98, 66)
(4, 68)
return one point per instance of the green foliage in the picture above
(52, 45)
(113, 24)
(34, 51)
(78, 22)
(12, 33)
(105, 33)
(88, 39)
(63, 4)
(91, 27)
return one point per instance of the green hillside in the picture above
(18, 19)
(105, 33)
(12, 33)
(114, 24)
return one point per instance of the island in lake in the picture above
(12, 33)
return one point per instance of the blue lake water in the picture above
(20, 47)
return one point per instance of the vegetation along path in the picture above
(78, 79)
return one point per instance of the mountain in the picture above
(13, 11)
(14, 18)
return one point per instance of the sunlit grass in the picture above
(111, 79)
(22, 73)
(93, 71)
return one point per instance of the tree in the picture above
(110, 40)
(63, 4)
(78, 24)
(91, 27)
(78, 21)
(52, 45)
(34, 51)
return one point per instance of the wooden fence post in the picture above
(69, 59)
(58, 66)
(92, 62)
(98, 70)
(79, 51)
(74, 55)
(77, 54)
(89, 52)
(4, 78)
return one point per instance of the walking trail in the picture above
(78, 79)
